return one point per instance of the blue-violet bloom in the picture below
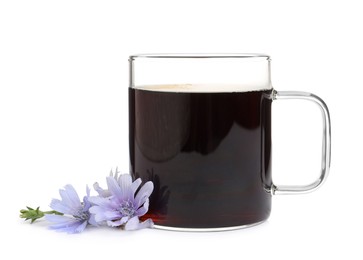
(123, 206)
(106, 193)
(76, 213)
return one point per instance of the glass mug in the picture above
(200, 129)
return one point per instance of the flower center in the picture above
(127, 209)
(81, 214)
(84, 215)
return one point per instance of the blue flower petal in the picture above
(70, 228)
(88, 191)
(144, 193)
(64, 223)
(112, 215)
(103, 193)
(92, 221)
(134, 224)
(62, 207)
(81, 227)
(117, 223)
(70, 197)
(103, 202)
(125, 182)
(143, 209)
(147, 223)
(86, 204)
(99, 213)
(58, 218)
(71, 223)
(134, 186)
(114, 188)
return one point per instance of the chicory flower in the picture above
(121, 205)
(76, 213)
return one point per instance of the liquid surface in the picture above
(204, 88)
(208, 155)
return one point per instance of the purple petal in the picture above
(88, 191)
(134, 224)
(115, 175)
(143, 209)
(81, 227)
(102, 214)
(70, 196)
(99, 213)
(92, 221)
(114, 188)
(134, 186)
(125, 182)
(72, 229)
(86, 204)
(147, 223)
(112, 215)
(66, 228)
(117, 222)
(68, 224)
(103, 202)
(60, 206)
(58, 218)
(100, 191)
(72, 223)
(144, 193)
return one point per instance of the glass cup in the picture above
(200, 129)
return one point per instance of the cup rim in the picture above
(199, 55)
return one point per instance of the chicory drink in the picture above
(207, 148)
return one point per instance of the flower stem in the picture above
(34, 214)
(53, 212)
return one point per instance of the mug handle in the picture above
(325, 160)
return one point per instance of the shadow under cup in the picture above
(207, 153)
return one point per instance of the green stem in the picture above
(34, 214)
(53, 212)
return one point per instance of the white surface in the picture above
(63, 116)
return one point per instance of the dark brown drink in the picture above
(208, 155)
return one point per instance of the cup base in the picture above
(219, 229)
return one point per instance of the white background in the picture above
(64, 119)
